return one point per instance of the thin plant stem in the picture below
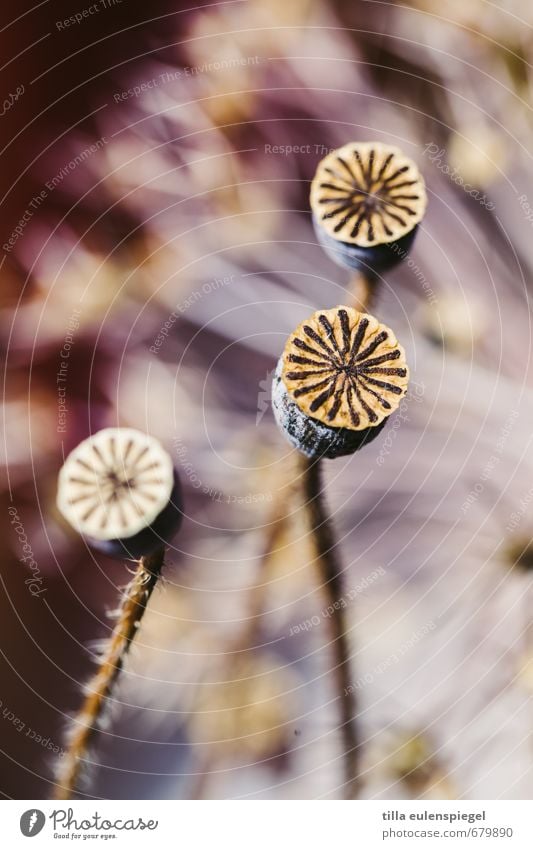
(100, 689)
(249, 639)
(332, 580)
(362, 288)
(276, 531)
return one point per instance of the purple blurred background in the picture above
(155, 220)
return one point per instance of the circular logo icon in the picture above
(32, 822)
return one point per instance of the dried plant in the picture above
(367, 200)
(340, 377)
(342, 373)
(120, 491)
(189, 187)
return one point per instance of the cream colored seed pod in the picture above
(118, 489)
(367, 199)
(341, 375)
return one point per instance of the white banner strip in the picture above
(268, 824)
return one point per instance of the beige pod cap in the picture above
(115, 485)
(341, 375)
(367, 199)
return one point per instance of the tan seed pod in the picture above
(367, 199)
(116, 486)
(341, 375)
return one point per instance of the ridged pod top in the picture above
(115, 483)
(345, 369)
(368, 193)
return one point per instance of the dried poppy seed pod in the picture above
(340, 377)
(367, 200)
(119, 490)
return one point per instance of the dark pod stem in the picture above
(332, 577)
(100, 689)
(363, 288)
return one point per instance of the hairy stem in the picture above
(100, 689)
(332, 578)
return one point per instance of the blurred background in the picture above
(156, 236)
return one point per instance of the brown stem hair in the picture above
(100, 689)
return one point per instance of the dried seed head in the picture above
(340, 377)
(116, 488)
(367, 199)
(345, 368)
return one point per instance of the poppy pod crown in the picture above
(367, 200)
(341, 375)
(119, 490)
